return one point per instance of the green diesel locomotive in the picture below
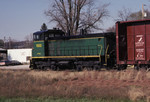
(53, 50)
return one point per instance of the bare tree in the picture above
(1, 43)
(111, 29)
(28, 41)
(136, 15)
(9, 43)
(124, 14)
(73, 15)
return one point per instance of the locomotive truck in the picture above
(130, 45)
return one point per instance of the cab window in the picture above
(57, 35)
(38, 37)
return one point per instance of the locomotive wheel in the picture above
(57, 68)
(121, 67)
(96, 67)
(79, 68)
(53, 67)
(46, 68)
(136, 67)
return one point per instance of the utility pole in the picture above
(144, 14)
(10, 43)
(4, 42)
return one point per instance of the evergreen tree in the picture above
(43, 27)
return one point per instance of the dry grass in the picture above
(91, 84)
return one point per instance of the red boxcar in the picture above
(133, 43)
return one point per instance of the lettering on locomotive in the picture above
(38, 45)
(38, 53)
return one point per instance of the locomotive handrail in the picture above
(100, 52)
(106, 54)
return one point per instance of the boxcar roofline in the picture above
(133, 21)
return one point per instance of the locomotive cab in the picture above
(47, 34)
(38, 36)
(41, 41)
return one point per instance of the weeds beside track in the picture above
(128, 84)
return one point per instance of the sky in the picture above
(19, 18)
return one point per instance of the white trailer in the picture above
(21, 55)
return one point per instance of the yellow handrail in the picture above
(100, 52)
(106, 56)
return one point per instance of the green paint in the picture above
(71, 47)
(38, 50)
(76, 47)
